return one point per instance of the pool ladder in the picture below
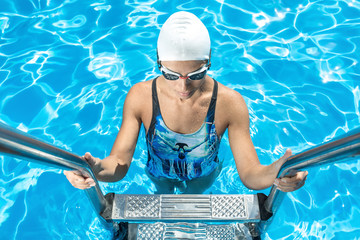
(169, 216)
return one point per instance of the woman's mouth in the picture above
(184, 94)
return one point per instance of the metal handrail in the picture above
(20, 144)
(339, 149)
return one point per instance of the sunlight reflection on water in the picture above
(66, 66)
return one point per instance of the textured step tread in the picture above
(218, 208)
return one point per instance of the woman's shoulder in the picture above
(139, 96)
(230, 101)
(141, 89)
(227, 95)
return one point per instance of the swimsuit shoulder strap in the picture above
(210, 117)
(155, 107)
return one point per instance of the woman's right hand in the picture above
(77, 179)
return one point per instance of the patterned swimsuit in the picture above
(182, 156)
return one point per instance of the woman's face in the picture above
(184, 87)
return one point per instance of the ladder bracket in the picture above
(264, 214)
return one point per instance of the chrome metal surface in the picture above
(213, 208)
(21, 145)
(196, 231)
(345, 147)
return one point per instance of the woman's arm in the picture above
(114, 167)
(252, 173)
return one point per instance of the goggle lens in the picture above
(196, 75)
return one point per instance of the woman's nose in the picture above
(183, 82)
(181, 77)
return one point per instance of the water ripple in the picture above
(76, 22)
(66, 66)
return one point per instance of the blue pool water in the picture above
(66, 66)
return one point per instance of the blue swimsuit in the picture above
(182, 156)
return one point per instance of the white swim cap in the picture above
(183, 37)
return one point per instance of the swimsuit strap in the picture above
(156, 107)
(210, 116)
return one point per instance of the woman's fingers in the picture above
(283, 159)
(287, 154)
(90, 182)
(78, 180)
(289, 184)
(90, 159)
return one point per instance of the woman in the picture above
(179, 110)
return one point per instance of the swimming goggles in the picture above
(196, 75)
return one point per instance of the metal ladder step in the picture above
(196, 231)
(185, 208)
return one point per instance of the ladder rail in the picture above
(344, 147)
(22, 145)
(19, 144)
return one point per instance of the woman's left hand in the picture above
(293, 181)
